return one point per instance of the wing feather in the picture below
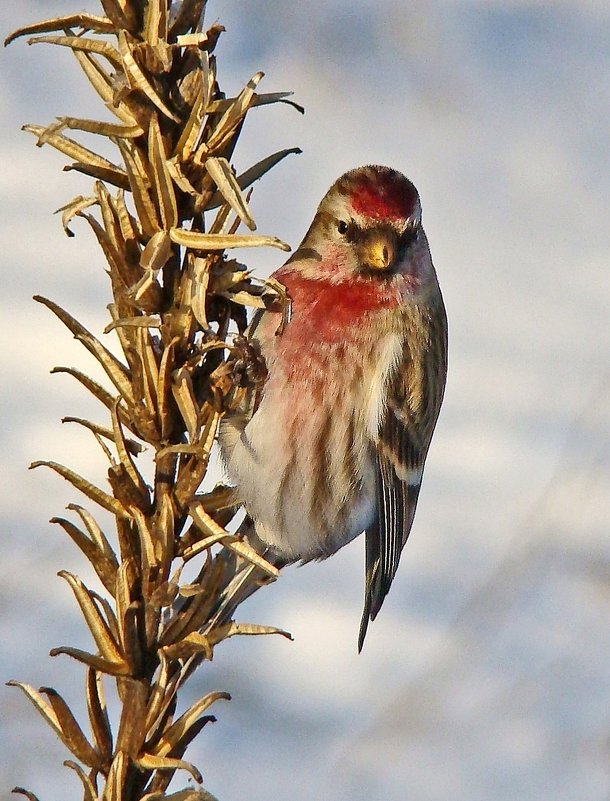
(415, 393)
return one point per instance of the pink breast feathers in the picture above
(392, 197)
(329, 309)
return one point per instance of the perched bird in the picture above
(336, 443)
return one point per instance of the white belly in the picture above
(304, 464)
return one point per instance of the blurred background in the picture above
(487, 674)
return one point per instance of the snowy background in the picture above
(487, 674)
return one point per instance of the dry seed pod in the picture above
(175, 298)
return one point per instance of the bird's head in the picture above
(368, 224)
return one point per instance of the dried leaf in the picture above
(155, 21)
(221, 497)
(245, 299)
(93, 661)
(132, 727)
(207, 64)
(106, 449)
(163, 388)
(159, 694)
(108, 610)
(277, 97)
(172, 736)
(190, 39)
(191, 128)
(72, 149)
(84, 486)
(127, 223)
(85, 44)
(73, 209)
(180, 179)
(149, 369)
(233, 116)
(219, 226)
(117, 372)
(114, 369)
(197, 609)
(112, 229)
(108, 647)
(220, 171)
(89, 22)
(125, 457)
(104, 567)
(199, 286)
(190, 478)
(247, 552)
(47, 711)
(210, 430)
(98, 715)
(147, 549)
(95, 532)
(209, 526)
(232, 274)
(182, 390)
(198, 241)
(89, 793)
(122, 14)
(118, 770)
(166, 197)
(102, 128)
(221, 105)
(71, 733)
(139, 182)
(115, 177)
(193, 643)
(254, 173)
(251, 629)
(204, 544)
(103, 84)
(109, 239)
(149, 762)
(27, 793)
(188, 590)
(138, 79)
(122, 595)
(189, 16)
(164, 524)
(98, 391)
(154, 257)
(131, 445)
(131, 638)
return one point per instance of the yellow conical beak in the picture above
(380, 250)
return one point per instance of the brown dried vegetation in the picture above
(178, 310)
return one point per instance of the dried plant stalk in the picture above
(178, 311)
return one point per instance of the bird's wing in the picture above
(415, 393)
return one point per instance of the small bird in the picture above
(336, 442)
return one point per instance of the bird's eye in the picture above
(342, 226)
